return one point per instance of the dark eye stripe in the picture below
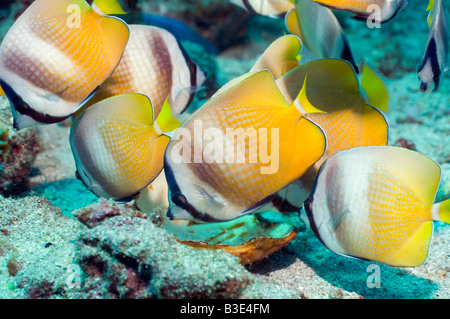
(175, 190)
(179, 200)
(24, 108)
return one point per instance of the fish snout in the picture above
(423, 86)
(169, 214)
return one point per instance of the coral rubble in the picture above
(17, 153)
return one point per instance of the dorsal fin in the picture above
(260, 87)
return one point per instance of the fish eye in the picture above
(307, 205)
(21, 106)
(179, 200)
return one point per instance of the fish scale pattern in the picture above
(382, 218)
(244, 180)
(72, 61)
(122, 169)
(146, 68)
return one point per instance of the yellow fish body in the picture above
(154, 64)
(348, 120)
(376, 203)
(56, 55)
(118, 146)
(272, 8)
(226, 177)
(384, 10)
(319, 30)
(278, 58)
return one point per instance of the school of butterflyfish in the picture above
(287, 137)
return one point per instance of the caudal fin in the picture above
(302, 103)
(443, 211)
(166, 121)
(377, 94)
(109, 7)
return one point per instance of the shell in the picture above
(246, 237)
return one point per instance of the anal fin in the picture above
(414, 251)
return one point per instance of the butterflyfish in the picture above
(377, 203)
(57, 54)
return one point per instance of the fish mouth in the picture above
(169, 214)
(423, 86)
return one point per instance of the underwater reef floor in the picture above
(117, 253)
(111, 251)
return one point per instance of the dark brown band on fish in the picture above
(193, 73)
(431, 54)
(307, 206)
(260, 204)
(163, 55)
(283, 206)
(175, 189)
(22, 107)
(249, 7)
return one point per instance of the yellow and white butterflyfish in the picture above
(238, 150)
(338, 105)
(154, 64)
(377, 203)
(57, 54)
(119, 147)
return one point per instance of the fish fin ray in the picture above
(420, 173)
(325, 76)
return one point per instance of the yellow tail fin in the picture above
(166, 121)
(1, 91)
(302, 103)
(444, 211)
(109, 7)
(375, 89)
